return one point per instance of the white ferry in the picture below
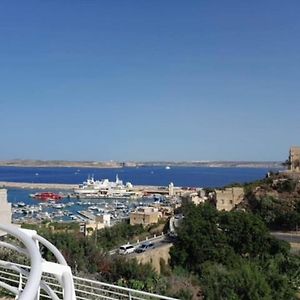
(104, 188)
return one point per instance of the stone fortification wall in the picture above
(228, 198)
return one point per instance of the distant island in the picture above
(116, 164)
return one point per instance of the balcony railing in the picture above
(47, 280)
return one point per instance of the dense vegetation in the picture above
(85, 254)
(234, 256)
(88, 257)
(217, 255)
(276, 200)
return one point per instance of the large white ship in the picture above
(104, 188)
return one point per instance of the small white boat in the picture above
(58, 205)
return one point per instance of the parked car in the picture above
(144, 247)
(126, 249)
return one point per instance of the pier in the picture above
(41, 186)
(86, 214)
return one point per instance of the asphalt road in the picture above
(156, 241)
(289, 237)
(157, 244)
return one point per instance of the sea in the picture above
(209, 177)
(159, 176)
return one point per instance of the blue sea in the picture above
(160, 176)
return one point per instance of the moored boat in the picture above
(104, 188)
(46, 196)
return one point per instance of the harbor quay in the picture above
(37, 186)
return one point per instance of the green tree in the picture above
(245, 282)
(200, 239)
(247, 234)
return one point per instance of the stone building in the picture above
(5, 209)
(196, 197)
(294, 159)
(145, 216)
(228, 198)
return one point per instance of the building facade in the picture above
(294, 159)
(145, 216)
(5, 209)
(228, 198)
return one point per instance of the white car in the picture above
(126, 249)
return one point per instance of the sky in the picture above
(149, 80)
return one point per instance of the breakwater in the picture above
(35, 186)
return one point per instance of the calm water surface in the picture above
(180, 176)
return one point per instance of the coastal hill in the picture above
(116, 164)
(58, 163)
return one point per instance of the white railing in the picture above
(85, 289)
(47, 280)
(38, 266)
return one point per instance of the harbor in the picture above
(30, 210)
(110, 201)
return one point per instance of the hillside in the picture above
(276, 200)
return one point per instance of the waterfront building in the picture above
(145, 216)
(294, 159)
(5, 209)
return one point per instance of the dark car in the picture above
(144, 247)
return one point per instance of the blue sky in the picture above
(149, 80)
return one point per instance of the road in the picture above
(289, 237)
(161, 239)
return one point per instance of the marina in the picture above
(30, 210)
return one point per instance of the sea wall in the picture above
(29, 185)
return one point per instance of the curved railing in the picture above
(33, 276)
(47, 280)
